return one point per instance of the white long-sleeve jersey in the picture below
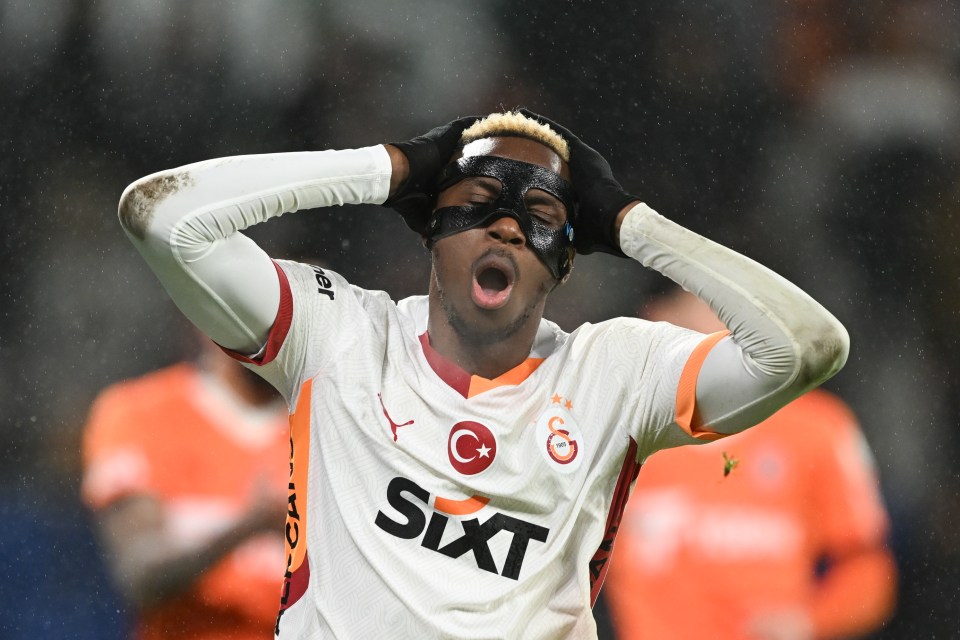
(429, 503)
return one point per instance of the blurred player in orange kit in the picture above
(776, 533)
(187, 469)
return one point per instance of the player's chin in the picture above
(490, 326)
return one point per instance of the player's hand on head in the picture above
(599, 194)
(426, 156)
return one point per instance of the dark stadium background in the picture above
(819, 137)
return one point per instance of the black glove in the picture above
(599, 194)
(427, 155)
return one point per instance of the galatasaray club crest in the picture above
(558, 436)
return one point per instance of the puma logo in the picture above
(393, 425)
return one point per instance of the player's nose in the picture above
(506, 229)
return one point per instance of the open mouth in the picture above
(493, 278)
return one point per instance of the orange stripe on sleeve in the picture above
(687, 388)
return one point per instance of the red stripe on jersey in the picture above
(469, 385)
(601, 559)
(449, 372)
(280, 328)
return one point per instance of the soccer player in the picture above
(186, 469)
(776, 533)
(459, 464)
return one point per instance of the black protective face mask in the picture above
(516, 178)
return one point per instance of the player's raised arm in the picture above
(782, 342)
(185, 223)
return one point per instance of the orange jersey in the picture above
(717, 534)
(179, 437)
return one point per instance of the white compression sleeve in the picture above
(185, 223)
(782, 342)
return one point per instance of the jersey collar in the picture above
(469, 385)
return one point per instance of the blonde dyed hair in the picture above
(514, 123)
